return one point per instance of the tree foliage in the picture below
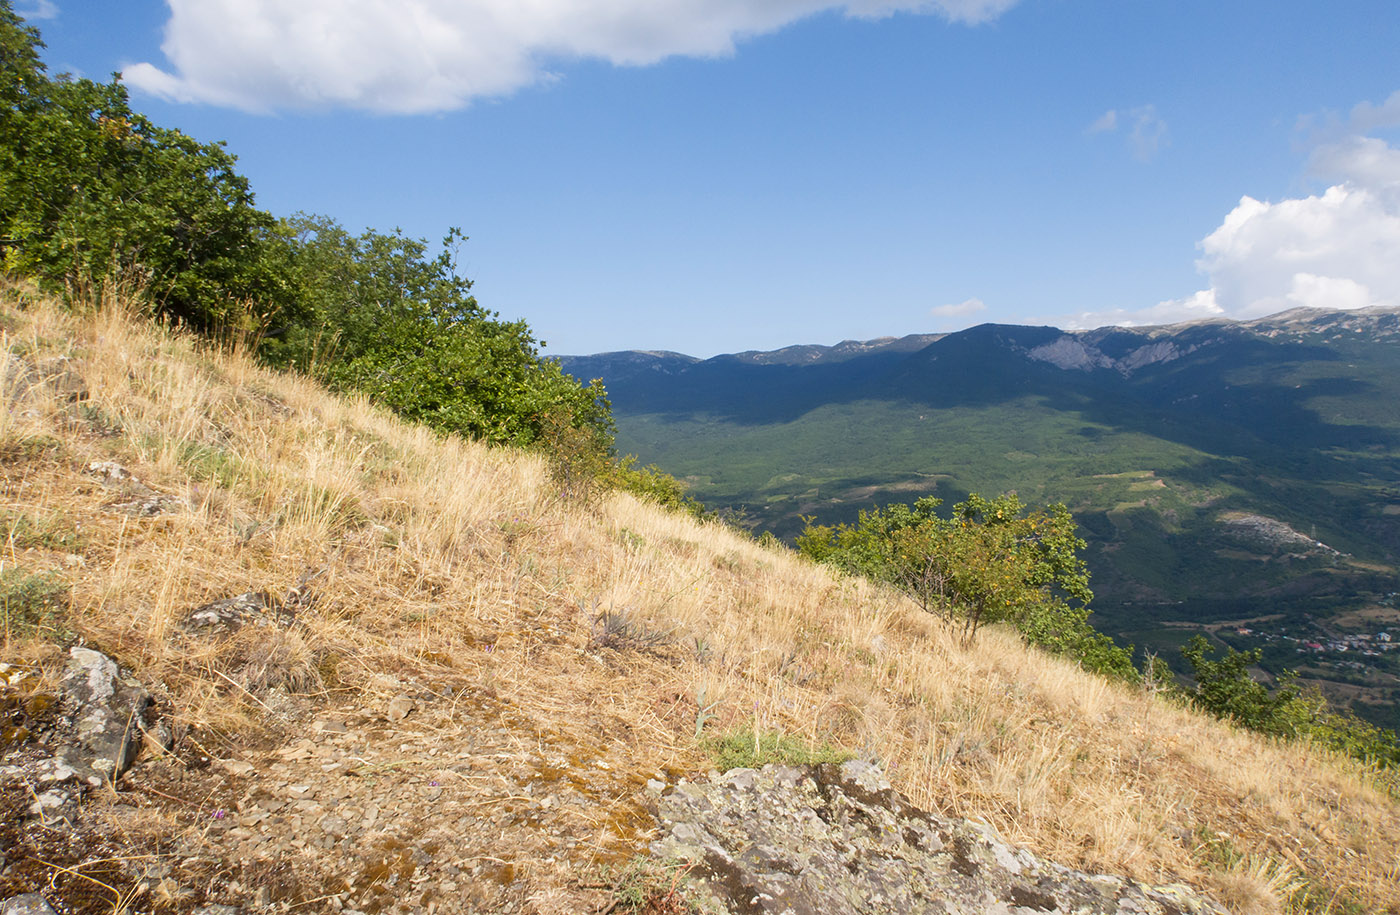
(990, 561)
(92, 191)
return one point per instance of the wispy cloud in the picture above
(438, 55)
(958, 309)
(1144, 130)
(37, 9)
(1107, 123)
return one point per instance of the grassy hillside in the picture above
(558, 657)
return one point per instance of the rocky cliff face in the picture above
(828, 840)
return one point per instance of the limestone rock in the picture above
(828, 840)
(108, 712)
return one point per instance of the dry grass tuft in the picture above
(615, 635)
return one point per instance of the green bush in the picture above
(652, 484)
(91, 191)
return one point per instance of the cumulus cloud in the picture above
(1338, 249)
(410, 56)
(958, 309)
(1144, 130)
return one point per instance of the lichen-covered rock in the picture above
(108, 715)
(827, 840)
(26, 904)
(230, 614)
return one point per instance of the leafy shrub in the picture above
(92, 193)
(651, 484)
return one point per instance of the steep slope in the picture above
(1157, 438)
(443, 688)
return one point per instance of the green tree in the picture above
(1225, 689)
(92, 191)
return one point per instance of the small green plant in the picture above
(30, 602)
(703, 712)
(52, 532)
(620, 631)
(747, 750)
(645, 886)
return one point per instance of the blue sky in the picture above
(717, 175)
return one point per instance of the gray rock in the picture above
(136, 498)
(108, 712)
(823, 840)
(231, 614)
(27, 904)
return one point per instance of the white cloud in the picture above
(38, 9)
(1149, 133)
(1367, 117)
(407, 56)
(1340, 249)
(959, 309)
(1146, 131)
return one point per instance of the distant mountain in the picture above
(1160, 439)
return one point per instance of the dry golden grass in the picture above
(434, 558)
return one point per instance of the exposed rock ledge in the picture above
(826, 840)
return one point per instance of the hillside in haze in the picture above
(1238, 478)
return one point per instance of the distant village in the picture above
(1367, 644)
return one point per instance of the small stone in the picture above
(109, 471)
(333, 825)
(401, 707)
(238, 767)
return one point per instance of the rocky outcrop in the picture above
(828, 840)
(108, 711)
